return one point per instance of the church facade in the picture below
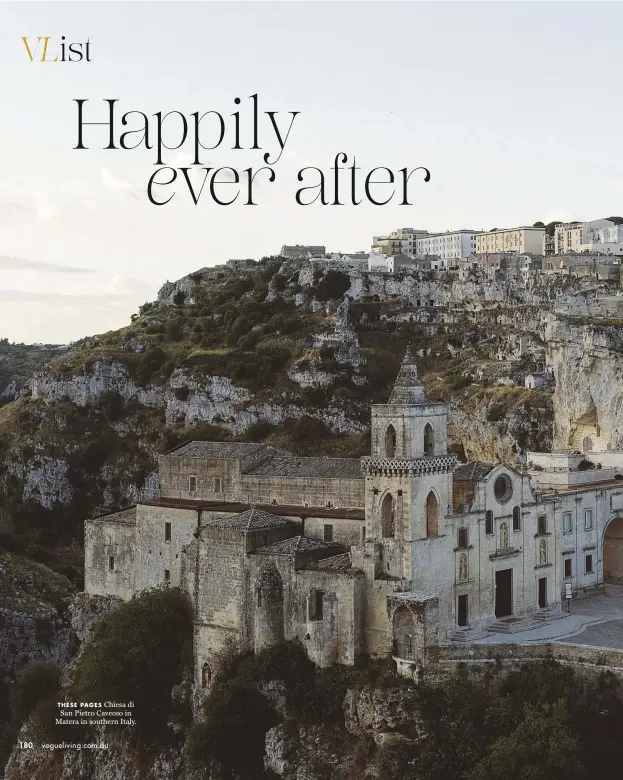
(381, 555)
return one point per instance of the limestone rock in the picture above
(375, 712)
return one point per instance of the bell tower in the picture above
(408, 475)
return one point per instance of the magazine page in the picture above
(311, 378)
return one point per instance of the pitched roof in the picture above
(296, 545)
(327, 468)
(408, 388)
(340, 562)
(124, 516)
(251, 520)
(472, 472)
(217, 450)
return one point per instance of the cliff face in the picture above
(34, 615)
(587, 361)
(251, 355)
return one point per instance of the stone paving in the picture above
(596, 621)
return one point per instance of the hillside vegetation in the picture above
(275, 354)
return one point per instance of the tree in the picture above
(542, 747)
(539, 224)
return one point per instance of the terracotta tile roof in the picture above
(297, 545)
(340, 562)
(251, 520)
(124, 516)
(221, 450)
(324, 468)
(471, 472)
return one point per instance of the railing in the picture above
(405, 650)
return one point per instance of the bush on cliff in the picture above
(138, 653)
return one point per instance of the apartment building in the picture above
(449, 245)
(402, 241)
(520, 239)
(598, 235)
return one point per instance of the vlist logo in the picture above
(45, 50)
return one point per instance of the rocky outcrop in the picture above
(587, 361)
(34, 619)
(117, 760)
(376, 713)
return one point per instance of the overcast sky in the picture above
(514, 107)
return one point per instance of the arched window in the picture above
(206, 676)
(429, 440)
(387, 517)
(390, 442)
(516, 518)
(431, 515)
(587, 444)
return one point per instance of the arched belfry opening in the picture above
(432, 522)
(388, 520)
(613, 552)
(429, 441)
(390, 441)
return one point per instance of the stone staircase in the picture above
(513, 625)
(467, 635)
(547, 615)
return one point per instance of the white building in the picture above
(598, 235)
(357, 260)
(520, 239)
(449, 245)
(377, 262)
(402, 241)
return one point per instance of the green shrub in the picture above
(36, 682)
(138, 652)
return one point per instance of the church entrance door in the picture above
(543, 592)
(462, 609)
(503, 593)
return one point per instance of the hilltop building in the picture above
(386, 554)
(403, 241)
(302, 251)
(521, 239)
(448, 246)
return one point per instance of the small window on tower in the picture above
(192, 484)
(217, 485)
(167, 575)
(111, 563)
(167, 532)
(462, 538)
(328, 533)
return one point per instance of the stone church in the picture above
(386, 554)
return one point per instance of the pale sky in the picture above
(514, 108)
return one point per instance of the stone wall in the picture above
(110, 555)
(442, 661)
(302, 491)
(155, 554)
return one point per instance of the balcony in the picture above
(404, 650)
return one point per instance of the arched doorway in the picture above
(429, 441)
(403, 630)
(613, 552)
(432, 524)
(587, 444)
(388, 529)
(390, 441)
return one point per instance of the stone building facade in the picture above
(391, 553)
